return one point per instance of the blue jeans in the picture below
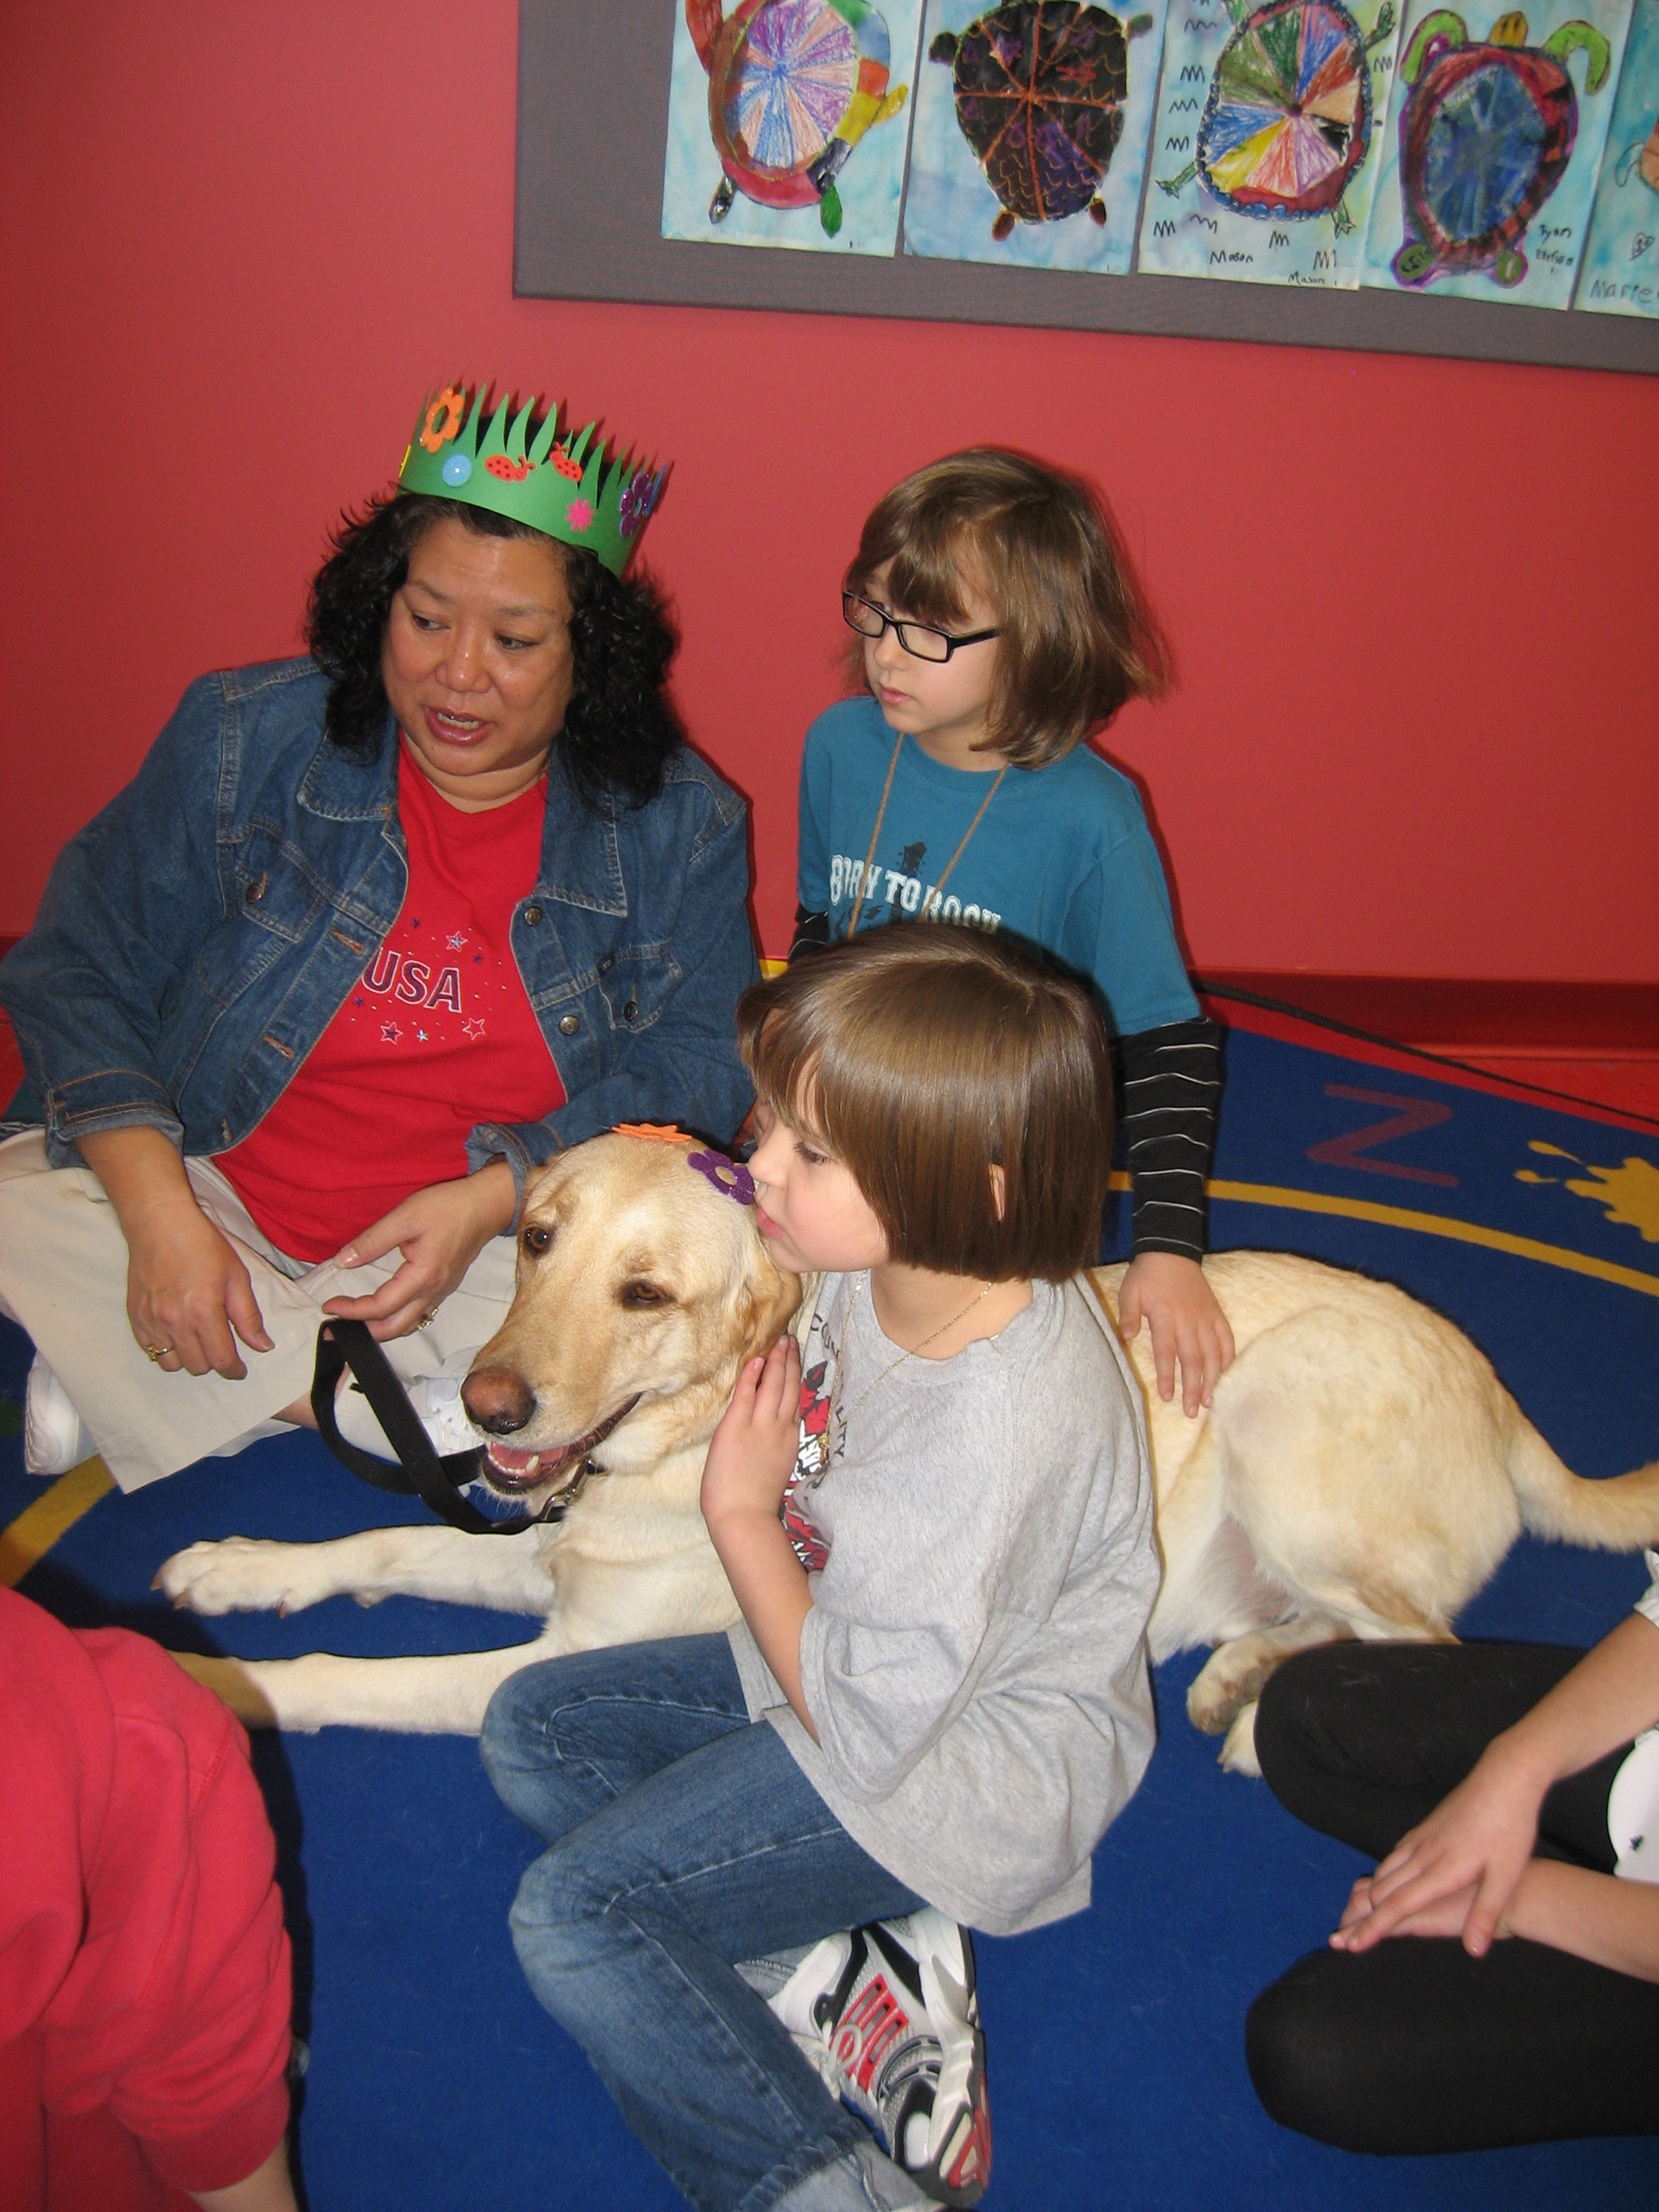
(684, 1837)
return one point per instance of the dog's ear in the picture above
(762, 1306)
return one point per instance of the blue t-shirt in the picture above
(1061, 857)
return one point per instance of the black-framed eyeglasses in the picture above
(918, 638)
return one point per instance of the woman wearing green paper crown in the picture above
(371, 935)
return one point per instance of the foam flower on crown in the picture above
(569, 486)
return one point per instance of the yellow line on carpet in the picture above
(38, 1527)
(1429, 1224)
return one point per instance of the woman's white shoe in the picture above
(54, 1438)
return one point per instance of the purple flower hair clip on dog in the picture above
(729, 1176)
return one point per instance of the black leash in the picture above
(439, 1482)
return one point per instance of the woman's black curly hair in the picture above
(618, 728)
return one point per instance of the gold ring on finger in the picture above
(156, 1351)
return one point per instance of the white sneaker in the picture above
(436, 1401)
(889, 2017)
(54, 1438)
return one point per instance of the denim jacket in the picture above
(196, 938)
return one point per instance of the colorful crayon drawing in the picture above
(1031, 132)
(770, 107)
(1277, 108)
(1493, 167)
(1619, 273)
(1288, 118)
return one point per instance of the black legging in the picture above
(1415, 2046)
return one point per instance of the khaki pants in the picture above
(63, 1277)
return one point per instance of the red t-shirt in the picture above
(437, 1036)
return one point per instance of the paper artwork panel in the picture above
(787, 122)
(1030, 138)
(1619, 273)
(1500, 120)
(1264, 154)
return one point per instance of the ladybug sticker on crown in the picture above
(517, 464)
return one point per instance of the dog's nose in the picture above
(498, 1400)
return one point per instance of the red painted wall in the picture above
(1414, 733)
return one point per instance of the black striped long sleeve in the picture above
(1172, 1081)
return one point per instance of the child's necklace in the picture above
(863, 1284)
(935, 902)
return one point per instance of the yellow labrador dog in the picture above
(1361, 1473)
(643, 1285)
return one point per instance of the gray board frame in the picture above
(593, 111)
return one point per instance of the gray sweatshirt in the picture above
(975, 1660)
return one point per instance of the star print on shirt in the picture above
(473, 1028)
(456, 940)
(390, 1033)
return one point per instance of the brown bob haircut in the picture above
(923, 1054)
(1078, 637)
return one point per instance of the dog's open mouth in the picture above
(506, 1469)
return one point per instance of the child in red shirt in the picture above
(144, 1974)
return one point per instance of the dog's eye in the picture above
(536, 1239)
(638, 1292)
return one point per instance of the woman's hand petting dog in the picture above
(439, 1231)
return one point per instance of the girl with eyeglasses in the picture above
(999, 625)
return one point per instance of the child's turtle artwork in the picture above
(770, 99)
(1619, 271)
(1040, 86)
(1485, 136)
(1029, 133)
(1286, 96)
(1288, 117)
(1490, 132)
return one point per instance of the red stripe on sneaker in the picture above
(868, 2027)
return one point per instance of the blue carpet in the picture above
(1115, 2039)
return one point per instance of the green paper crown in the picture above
(567, 487)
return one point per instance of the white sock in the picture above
(53, 1438)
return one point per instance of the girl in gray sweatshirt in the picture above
(937, 1525)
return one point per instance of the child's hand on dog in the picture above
(751, 1454)
(751, 1458)
(1186, 1325)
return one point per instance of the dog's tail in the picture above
(1618, 1514)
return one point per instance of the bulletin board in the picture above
(596, 190)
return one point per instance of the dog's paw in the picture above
(1213, 1701)
(241, 1575)
(1237, 1754)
